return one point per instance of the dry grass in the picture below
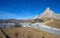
(55, 23)
(46, 19)
(27, 33)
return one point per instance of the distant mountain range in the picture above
(11, 21)
(48, 13)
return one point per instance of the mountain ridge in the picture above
(49, 14)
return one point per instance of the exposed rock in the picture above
(49, 14)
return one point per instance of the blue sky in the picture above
(18, 9)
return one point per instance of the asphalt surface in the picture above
(44, 27)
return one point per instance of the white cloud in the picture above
(7, 15)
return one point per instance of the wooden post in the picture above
(4, 33)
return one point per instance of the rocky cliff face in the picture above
(49, 14)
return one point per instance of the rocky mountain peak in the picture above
(47, 13)
(47, 9)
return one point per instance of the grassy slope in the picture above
(55, 23)
(27, 33)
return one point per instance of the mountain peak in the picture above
(48, 13)
(48, 8)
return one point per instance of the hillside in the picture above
(27, 33)
(55, 23)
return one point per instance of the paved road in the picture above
(44, 27)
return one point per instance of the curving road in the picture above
(42, 26)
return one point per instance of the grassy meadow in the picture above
(27, 33)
